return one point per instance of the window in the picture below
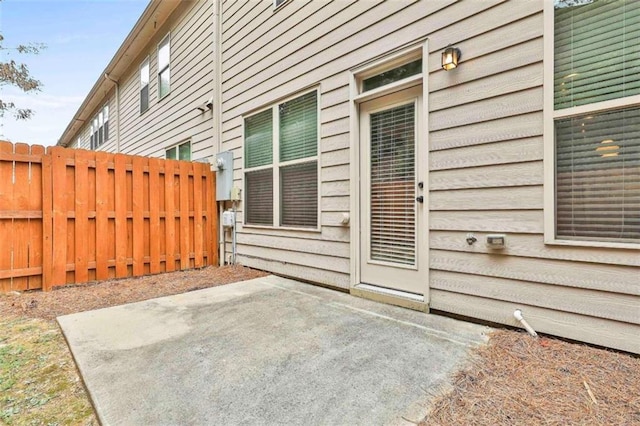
(392, 75)
(144, 86)
(596, 118)
(179, 152)
(281, 164)
(100, 128)
(164, 67)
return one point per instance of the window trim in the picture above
(177, 147)
(166, 38)
(550, 114)
(276, 165)
(140, 86)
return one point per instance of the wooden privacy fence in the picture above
(71, 216)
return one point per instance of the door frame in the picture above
(409, 52)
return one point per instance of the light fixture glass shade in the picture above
(450, 58)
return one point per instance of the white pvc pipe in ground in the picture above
(517, 314)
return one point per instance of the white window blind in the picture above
(597, 54)
(393, 205)
(258, 139)
(299, 195)
(598, 176)
(299, 128)
(259, 197)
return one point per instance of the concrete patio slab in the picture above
(265, 351)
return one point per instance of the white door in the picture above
(392, 195)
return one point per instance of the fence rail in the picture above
(73, 216)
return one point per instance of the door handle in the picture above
(420, 199)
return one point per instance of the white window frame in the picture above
(177, 147)
(141, 86)
(276, 164)
(549, 117)
(166, 39)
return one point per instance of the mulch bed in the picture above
(519, 380)
(68, 300)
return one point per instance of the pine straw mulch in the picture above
(95, 295)
(520, 380)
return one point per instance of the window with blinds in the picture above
(393, 206)
(281, 164)
(596, 60)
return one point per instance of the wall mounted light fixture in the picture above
(450, 58)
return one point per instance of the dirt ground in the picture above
(514, 380)
(69, 300)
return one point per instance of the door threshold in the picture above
(392, 297)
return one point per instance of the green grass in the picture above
(38, 381)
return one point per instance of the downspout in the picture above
(217, 112)
(108, 77)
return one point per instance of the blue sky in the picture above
(81, 37)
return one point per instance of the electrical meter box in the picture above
(228, 220)
(224, 175)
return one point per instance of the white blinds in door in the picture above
(393, 205)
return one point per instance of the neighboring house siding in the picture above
(174, 118)
(485, 162)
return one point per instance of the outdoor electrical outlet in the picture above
(496, 241)
(235, 194)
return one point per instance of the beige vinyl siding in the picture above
(486, 176)
(175, 118)
(485, 160)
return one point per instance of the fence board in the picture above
(35, 224)
(198, 247)
(71, 216)
(138, 215)
(47, 221)
(120, 174)
(183, 191)
(20, 225)
(81, 218)
(154, 215)
(59, 204)
(6, 202)
(170, 215)
(211, 220)
(102, 220)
